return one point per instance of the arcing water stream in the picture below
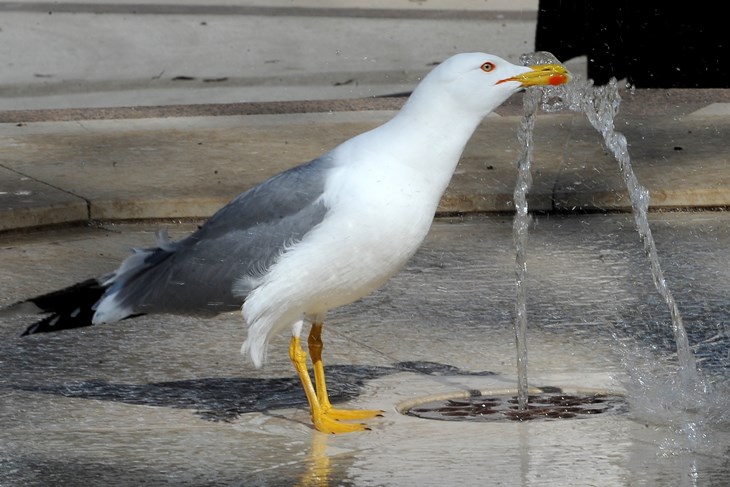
(600, 105)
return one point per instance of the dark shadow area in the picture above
(224, 399)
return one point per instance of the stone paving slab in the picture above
(131, 169)
(683, 163)
(25, 202)
(180, 167)
(172, 53)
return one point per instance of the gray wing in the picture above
(238, 244)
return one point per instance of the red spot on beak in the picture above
(557, 79)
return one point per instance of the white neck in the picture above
(428, 135)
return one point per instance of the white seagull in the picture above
(315, 237)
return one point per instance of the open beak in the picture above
(542, 74)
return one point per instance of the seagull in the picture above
(313, 238)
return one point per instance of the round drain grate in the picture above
(541, 406)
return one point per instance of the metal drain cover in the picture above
(541, 406)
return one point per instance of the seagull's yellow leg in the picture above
(315, 349)
(322, 422)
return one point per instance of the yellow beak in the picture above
(542, 74)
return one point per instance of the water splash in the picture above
(600, 105)
(686, 396)
(697, 412)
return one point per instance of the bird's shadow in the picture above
(224, 399)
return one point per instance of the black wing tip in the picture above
(58, 321)
(71, 307)
(34, 328)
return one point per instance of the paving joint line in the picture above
(86, 201)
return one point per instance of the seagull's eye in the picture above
(488, 66)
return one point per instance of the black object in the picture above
(652, 44)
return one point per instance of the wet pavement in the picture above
(169, 400)
(102, 146)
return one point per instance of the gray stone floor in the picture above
(113, 110)
(188, 166)
(169, 400)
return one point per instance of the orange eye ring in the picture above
(488, 66)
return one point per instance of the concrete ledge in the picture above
(26, 203)
(188, 161)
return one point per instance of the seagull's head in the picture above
(479, 83)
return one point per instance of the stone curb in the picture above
(64, 166)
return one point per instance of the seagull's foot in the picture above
(352, 414)
(325, 418)
(328, 419)
(325, 422)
